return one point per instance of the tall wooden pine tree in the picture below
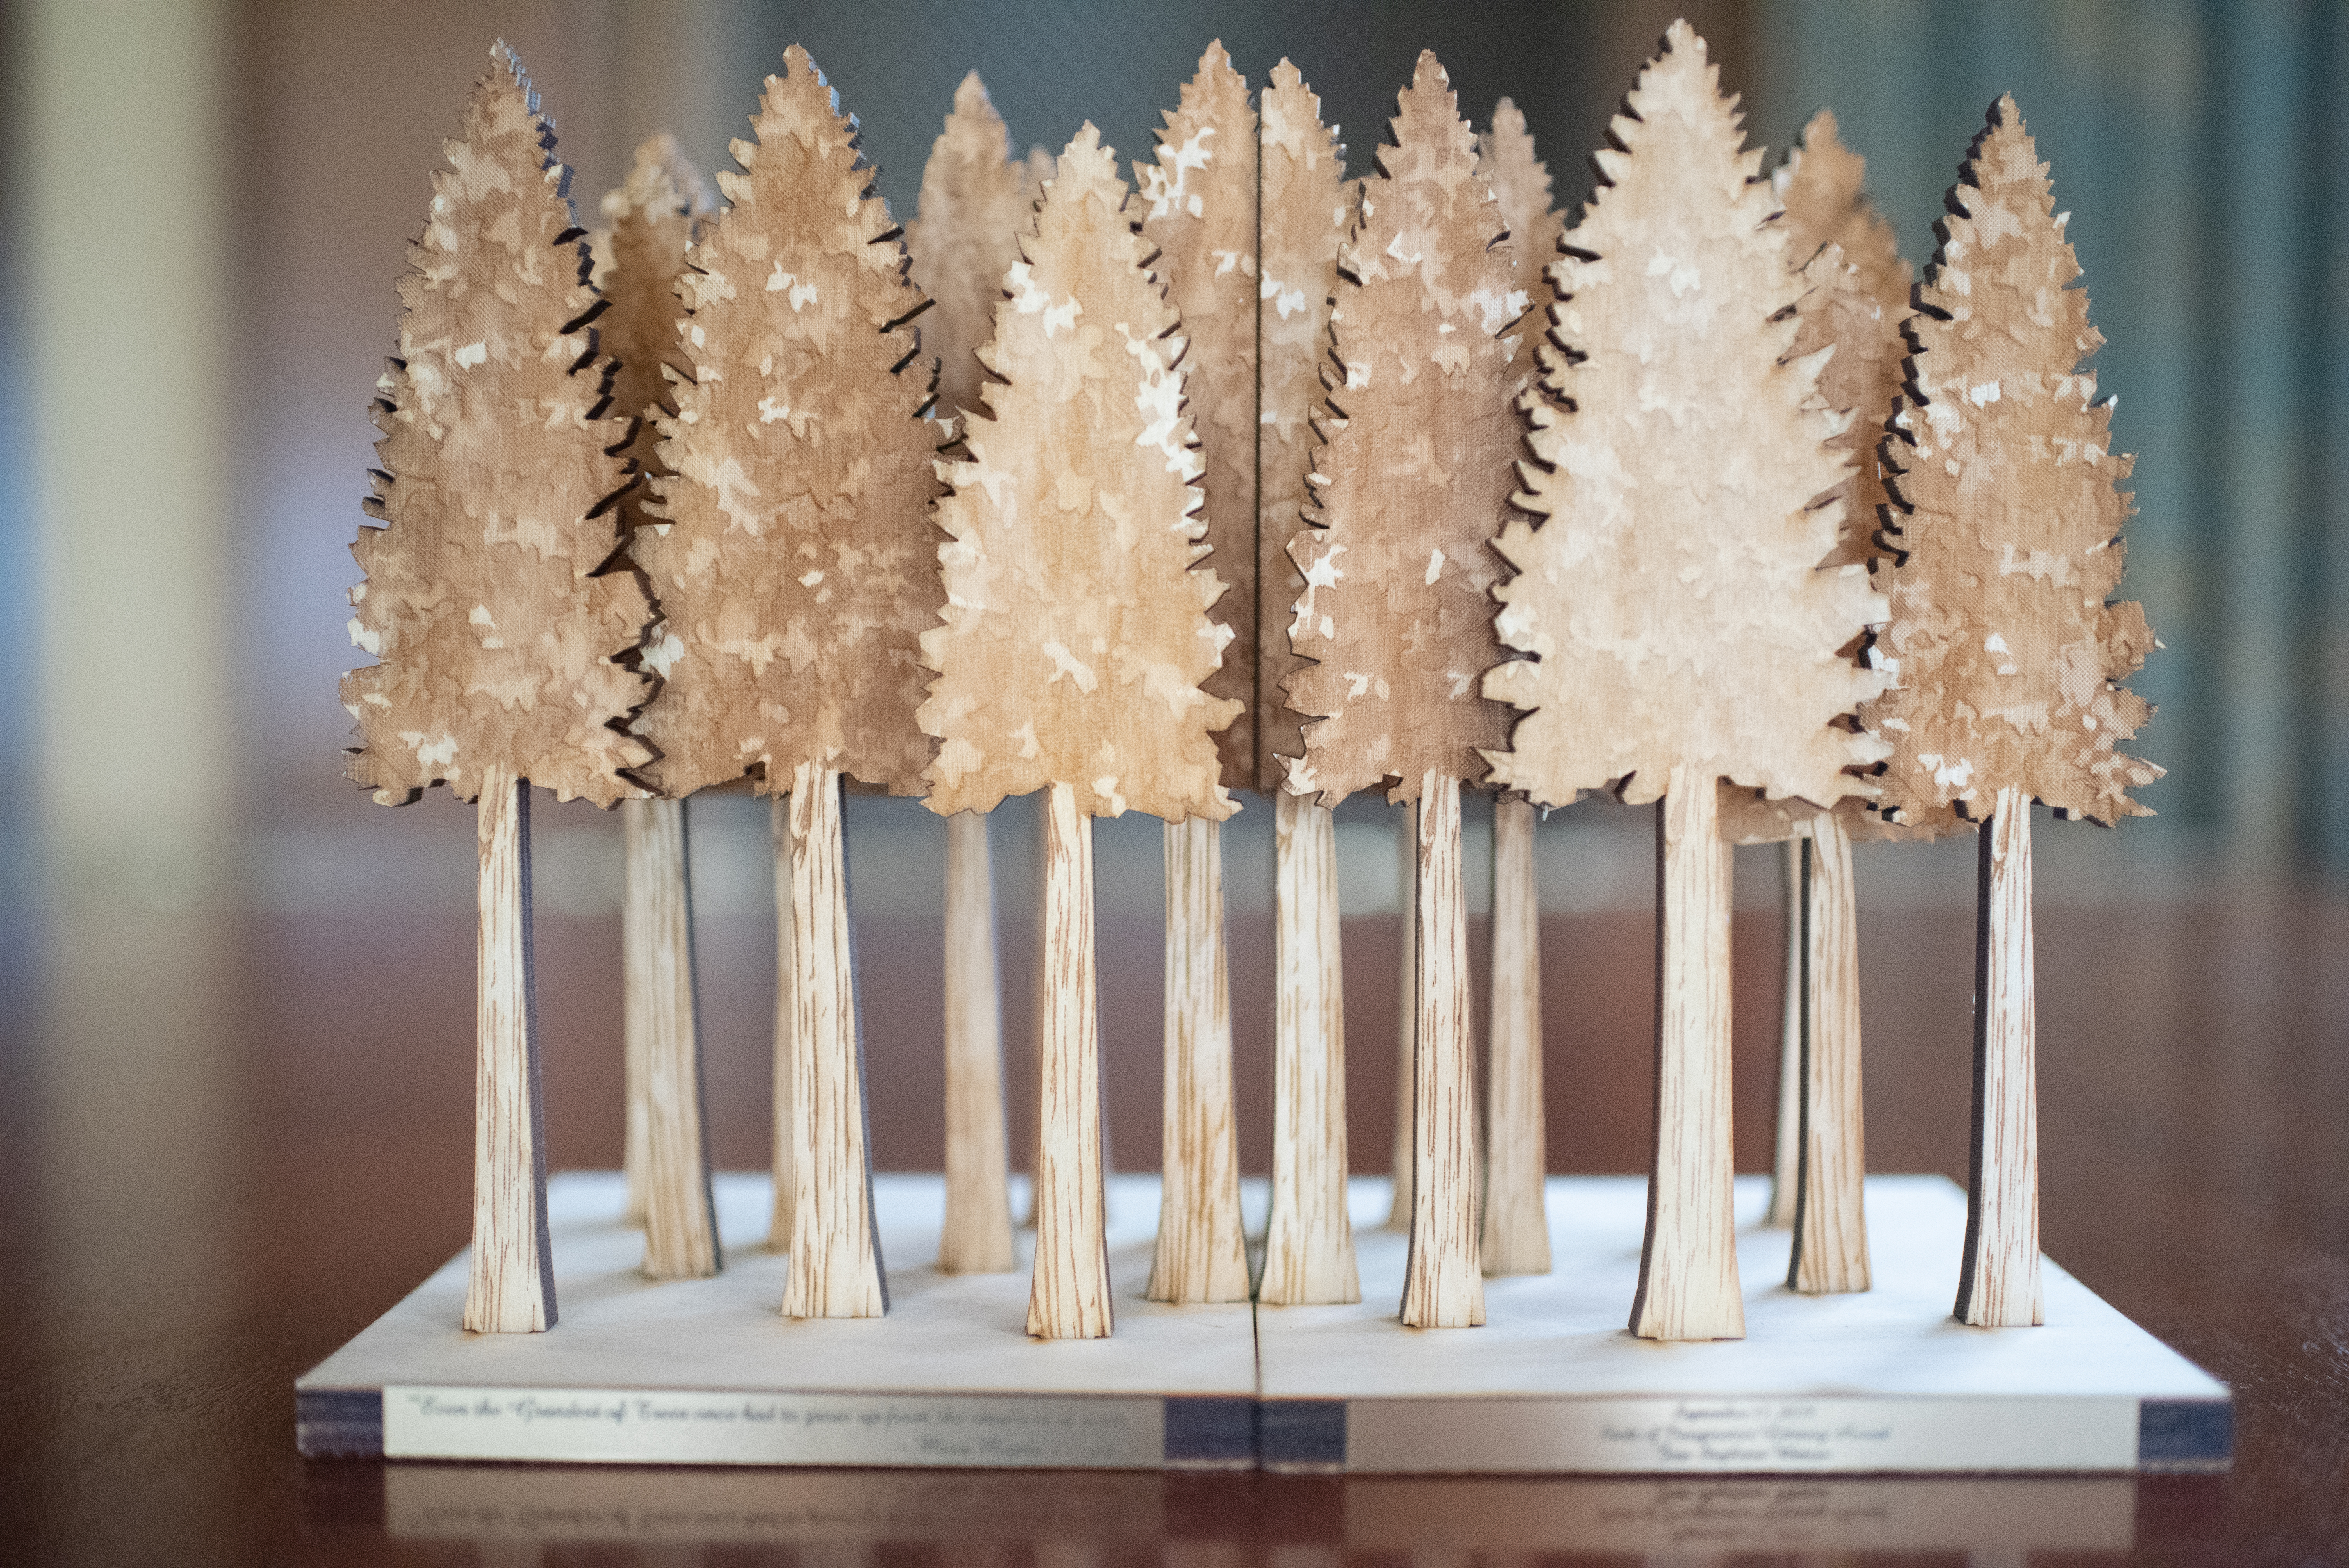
(2005, 653)
(499, 646)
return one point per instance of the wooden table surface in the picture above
(229, 1142)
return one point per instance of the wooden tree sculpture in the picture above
(498, 644)
(1198, 203)
(974, 202)
(1517, 1140)
(652, 218)
(794, 574)
(2006, 658)
(1681, 629)
(1410, 485)
(1306, 209)
(1076, 636)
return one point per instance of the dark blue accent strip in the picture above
(1303, 1434)
(2185, 1434)
(1210, 1433)
(339, 1423)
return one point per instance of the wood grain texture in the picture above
(1198, 205)
(1823, 187)
(650, 220)
(510, 1278)
(1998, 1280)
(1077, 633)
(1444, 1285)
(793, 557)
(1830, 1250)
(1406, 1057)
(974, 202)
(1069, 1293)
(1411, 480)
(1521, 183)
(1202, 1253)
(665, 1040)
(1688, 1263)
(786, 1209)
(1309, 1245)
(1517, 1140)
(1307, 208)
(977, 1238)
(495, 640)
(637, 1020)
(835, 1264)
(2005, 657)
(1786, 1143)
(1670, 591)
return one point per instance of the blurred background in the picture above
(235, 1058)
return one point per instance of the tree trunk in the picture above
(1069, 1297)
(786, 1201)
(1787, 1150)
(1830, 1253)
(1998, 1282)
(1445, 1286)
(509, 1282)
(1688, 1265)
(680, 1224)
(1308, 1246)
(1202, 1253)
(1516, 1138)
(1406, 1012)
(635, 1012)
(835, 1264)
(977, 1235)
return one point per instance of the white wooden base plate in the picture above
(705, 1371)
(1880, 1381)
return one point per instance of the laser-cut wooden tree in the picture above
(651, 220)
(1681, 629)
(1409, 486)
(1516, 1142)
(974, 200)
(497, 644)
(2006, 657)
(1076, 636)
(794, 571)
(1198, 206)
(1307, 208)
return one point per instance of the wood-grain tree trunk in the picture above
(1688, 1265)
(656, 941)
(510, 1279)
(977, 1235)
(786, 1199)
(1998, 1282)
(1516, 1138)
(1202, 1253)
(1830, 1252)
(1308, 1244)
(1406, 1012)
(636, 1016)
(1445, 1284)
(1786, 1148)
(835, 1264)
(1069, 1293)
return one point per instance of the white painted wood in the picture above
(1999, 1284)
(1786, 1147)
(636, 1008)
(1830, 1250)
(1069, 1293)
(1517, 1137)
(779, 1225)
(977, 1235)
(680, 1230)
(1202, 1253)
(1309, 1245)
(835, 1262)
(1445, 1286)
(510, 1280)
(1406, 1010)
(1688, 1263)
